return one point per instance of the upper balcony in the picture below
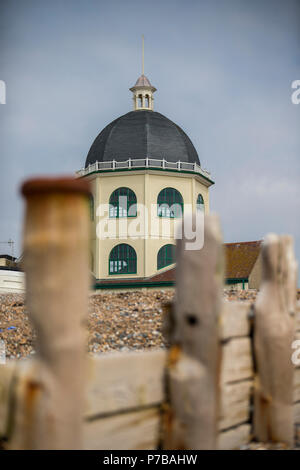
(144, 164)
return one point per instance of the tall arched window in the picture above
(122, 203)
(165, 256)
(169, 203)
(200, 203)
(122, 260)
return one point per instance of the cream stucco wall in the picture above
(146, 184)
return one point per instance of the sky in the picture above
(223, 71)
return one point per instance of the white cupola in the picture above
(143, 94)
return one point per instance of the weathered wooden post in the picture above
(273, 337)
(56, 238)
(290, 276)
(194, 357)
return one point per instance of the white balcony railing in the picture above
(143, 163)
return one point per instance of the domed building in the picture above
(144, 172)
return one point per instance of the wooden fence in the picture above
(227, 377)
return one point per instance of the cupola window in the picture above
(169, 203)
(122, 203)
(122, 260)
(165, 256)
(200, 203)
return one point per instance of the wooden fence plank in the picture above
(7, 372)
(235, 404)
(120, 381)
(234, 319)
(297, 412)
(234, 396)
(126, 431)
(296, 396)
(234, 438)
(297, 335)
(237, 360)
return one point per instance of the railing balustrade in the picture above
(143, 163)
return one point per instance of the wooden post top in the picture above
(67, 184)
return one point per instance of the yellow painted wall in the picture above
(146, 185)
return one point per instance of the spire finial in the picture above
(143, 40)
(143, 90)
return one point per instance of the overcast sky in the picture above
(223, 70)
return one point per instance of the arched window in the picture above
(169, 203)
(147, 101)
(122, 260)
(122, 203)
(165, 256)
(91, 207)
(140, 101)
(200, 203)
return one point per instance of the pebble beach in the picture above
(117, 321)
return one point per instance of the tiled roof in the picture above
(143, 81)
(8, 257)
(166, 276)
(142, 134)
(239, 261)
(240, 258)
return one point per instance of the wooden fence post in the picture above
(194, 356)
(273, 337)
(56, 237)
(290, 276)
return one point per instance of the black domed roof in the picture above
(141, 134)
